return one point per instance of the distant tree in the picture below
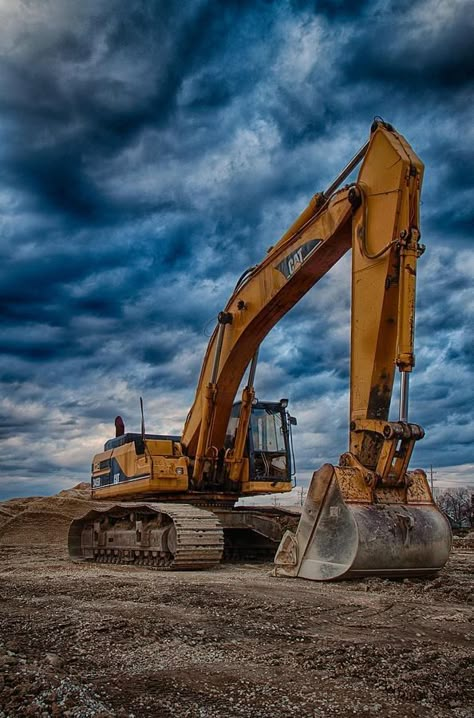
(457, 505)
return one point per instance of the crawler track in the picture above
(157, 535)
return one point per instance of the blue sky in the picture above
(151, 151)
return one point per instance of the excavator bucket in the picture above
(347, 530)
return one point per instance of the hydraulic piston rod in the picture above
(404, 386)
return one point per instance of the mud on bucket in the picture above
(347, 531)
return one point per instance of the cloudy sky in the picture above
(151, 151)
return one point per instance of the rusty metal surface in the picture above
(177, 536)
(163, 536)
(341, 537)
(266, 521)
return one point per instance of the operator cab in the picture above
(269, 442)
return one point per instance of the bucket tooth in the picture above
(348, 529)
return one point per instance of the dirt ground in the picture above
(92, 640)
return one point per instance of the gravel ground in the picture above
(86, 640)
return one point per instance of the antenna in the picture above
(143, 419)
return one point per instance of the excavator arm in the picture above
(369, 514)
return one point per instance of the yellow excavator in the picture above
(169, 501)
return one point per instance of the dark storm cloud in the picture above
(399, 53)
(71, 111)
(34, 278)
(338, 10)
(153, 151)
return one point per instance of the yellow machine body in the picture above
(158, 471)
(370, 514)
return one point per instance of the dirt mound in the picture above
(5, 514)
(12, 507)
(42, 520)
(81, 490)
(35, 528)
(68, 506)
